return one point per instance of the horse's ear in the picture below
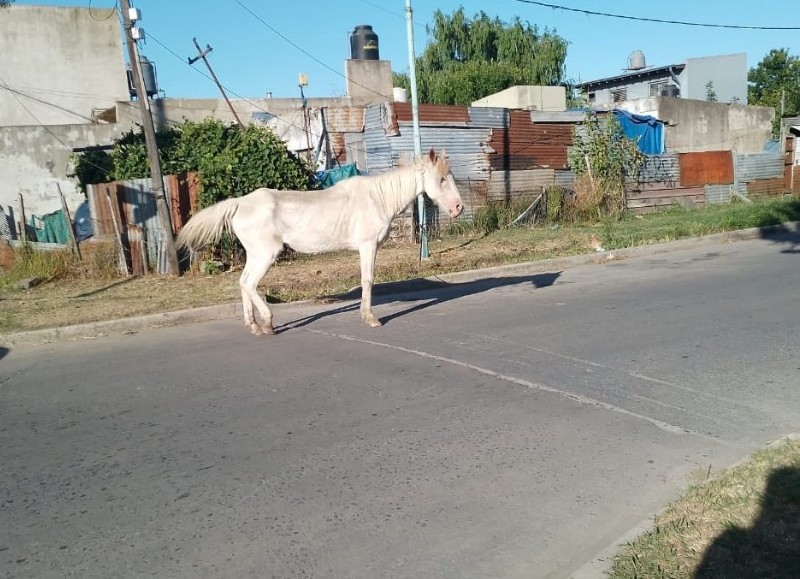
(432, 155)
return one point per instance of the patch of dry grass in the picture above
(744, 523)
(74, 301)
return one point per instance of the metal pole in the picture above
(150, 138)
(412, 64)
(201, 54)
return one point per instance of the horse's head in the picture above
(439, 184)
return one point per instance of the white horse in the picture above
(356, 213)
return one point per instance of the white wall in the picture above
(728, 73)
(63, 64)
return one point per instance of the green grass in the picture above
(678, 223)
(743, 524)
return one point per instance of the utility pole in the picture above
(412, 64)
(201, 54)
(150, 139)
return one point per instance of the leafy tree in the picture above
(602, 158)
(775, 82)
(5, 3)
(468, 59)
(229, 162)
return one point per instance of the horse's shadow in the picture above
(428, 292)
(784, 235)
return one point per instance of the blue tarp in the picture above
(647, 131)
(330, 177)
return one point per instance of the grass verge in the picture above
(745, 523)
(89, 297)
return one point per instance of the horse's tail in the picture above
(206, 226)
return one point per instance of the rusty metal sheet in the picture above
(433, 114)
(765, 187)
(344, 119)
(706, 168)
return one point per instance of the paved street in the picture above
(510, 427)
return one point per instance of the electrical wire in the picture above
(304, 51)
(113, 11)
(255, 105)
(656, 20)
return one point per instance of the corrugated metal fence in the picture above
(126, 211)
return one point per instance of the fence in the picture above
(127, 212)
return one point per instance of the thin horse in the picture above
(356, 214)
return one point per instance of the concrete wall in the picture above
(534, 98)
(728, 73)
(33, 162)
(63, 64)
(371, 79)
(694, 125)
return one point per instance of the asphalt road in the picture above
(509, 427)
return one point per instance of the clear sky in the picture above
(261, 46)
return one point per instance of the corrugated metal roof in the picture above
(759, 166)
(558, 116)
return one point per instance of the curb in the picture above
(229, 310)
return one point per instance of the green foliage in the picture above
(776, 80)
(229, 162)
(555, 198)
(46, 265)
(711, 94)
(467, 59)
(605, 157)
(93, 166)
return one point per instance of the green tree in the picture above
(711, 94)
(603, 158)
(229, 162)
(468, 59)
(775, 82)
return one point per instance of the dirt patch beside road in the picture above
(303, 277)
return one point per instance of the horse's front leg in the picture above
(367, 254)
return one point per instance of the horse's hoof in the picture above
(268, 331)
(256, 331)
(374, 323)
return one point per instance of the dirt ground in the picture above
(303, 277)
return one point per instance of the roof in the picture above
(634, 75)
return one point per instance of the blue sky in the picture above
(312, 37)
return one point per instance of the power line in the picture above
(255, 105)
(304, 51)
(657, 20)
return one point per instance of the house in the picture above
(725, 75)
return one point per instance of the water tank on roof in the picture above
(364, 43)
(149, 75)
(636, 60)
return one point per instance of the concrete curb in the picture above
(229, 310)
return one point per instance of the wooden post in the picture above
(123, 263)
(72, 241)
(23, 232)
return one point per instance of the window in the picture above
(618, 95)
(657, 87)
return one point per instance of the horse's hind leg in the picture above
(256, 267)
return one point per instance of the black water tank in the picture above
(364, 43)
(670, 91)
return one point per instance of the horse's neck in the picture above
(397, 189)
